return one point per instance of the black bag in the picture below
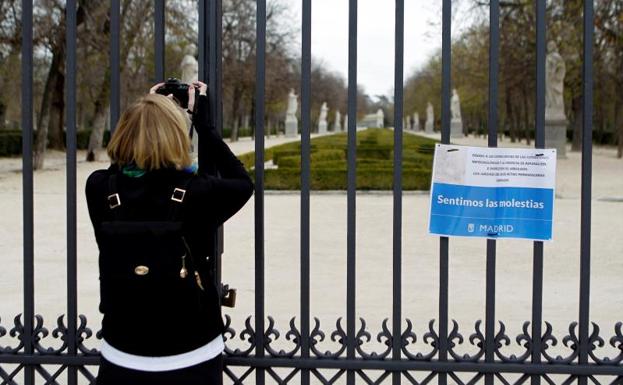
(148, 279)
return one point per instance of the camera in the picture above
(178, 89)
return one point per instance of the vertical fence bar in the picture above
(216, 78)
(214, 33)
(494, 43)
(446, 66)
(209, 59)
(259, 186)
(587, 154)
(446, 84)
(397, 225)
(159, 40)
(203, 59)
(27, 187)
(351, 237)
(115, 69)
(218, 47)
(70, 105)
(494, 51)
(305, 181)
(202, 50)
(539, 142)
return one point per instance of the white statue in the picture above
(430, 118)
(322, 119)
(555, 119)
(190, 73)
(416, 122)
(292, 104)
(292, 122)
(380, 118)
(345, 122)
(455, 106)
(189, 65)
(324, 110)
(338, 123)
(456, 123)
(554, 84)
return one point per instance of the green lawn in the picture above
(328, 162)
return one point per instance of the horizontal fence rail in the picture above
(446, 352)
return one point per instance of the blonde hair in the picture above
(151, 133)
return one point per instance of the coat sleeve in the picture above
(224, 195)
(95, 196)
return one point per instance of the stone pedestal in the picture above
(556, 136)
(322, 127)
(456, 128)
(292, 126)
(428, 128)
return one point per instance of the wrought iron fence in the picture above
(351, 361)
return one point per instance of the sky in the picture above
(376, 29)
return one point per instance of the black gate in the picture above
(31, 360)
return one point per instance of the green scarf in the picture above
(133, 171)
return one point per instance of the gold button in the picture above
(141, 270)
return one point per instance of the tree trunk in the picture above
(56, 131)
(43, 121)
(49, 97)
(510, 115)
(234, 128)
(526, 115)
(515, 124)
(618, 119)
(96, 139)
(235, 112)
(2, 116)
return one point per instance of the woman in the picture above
(143, 208)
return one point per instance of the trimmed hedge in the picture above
(11, 141)
(317, 158)
(278, 154)
(328, 162)
(373, 152)
(334, 179)
(295, 163)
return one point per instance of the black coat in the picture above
(209, 202)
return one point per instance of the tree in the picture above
(137, 64)
(239, 57)
(517, 68)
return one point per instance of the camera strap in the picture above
(192, 129)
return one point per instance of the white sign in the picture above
(493, 192)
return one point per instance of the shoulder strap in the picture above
(178, 196)
(113, 199)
